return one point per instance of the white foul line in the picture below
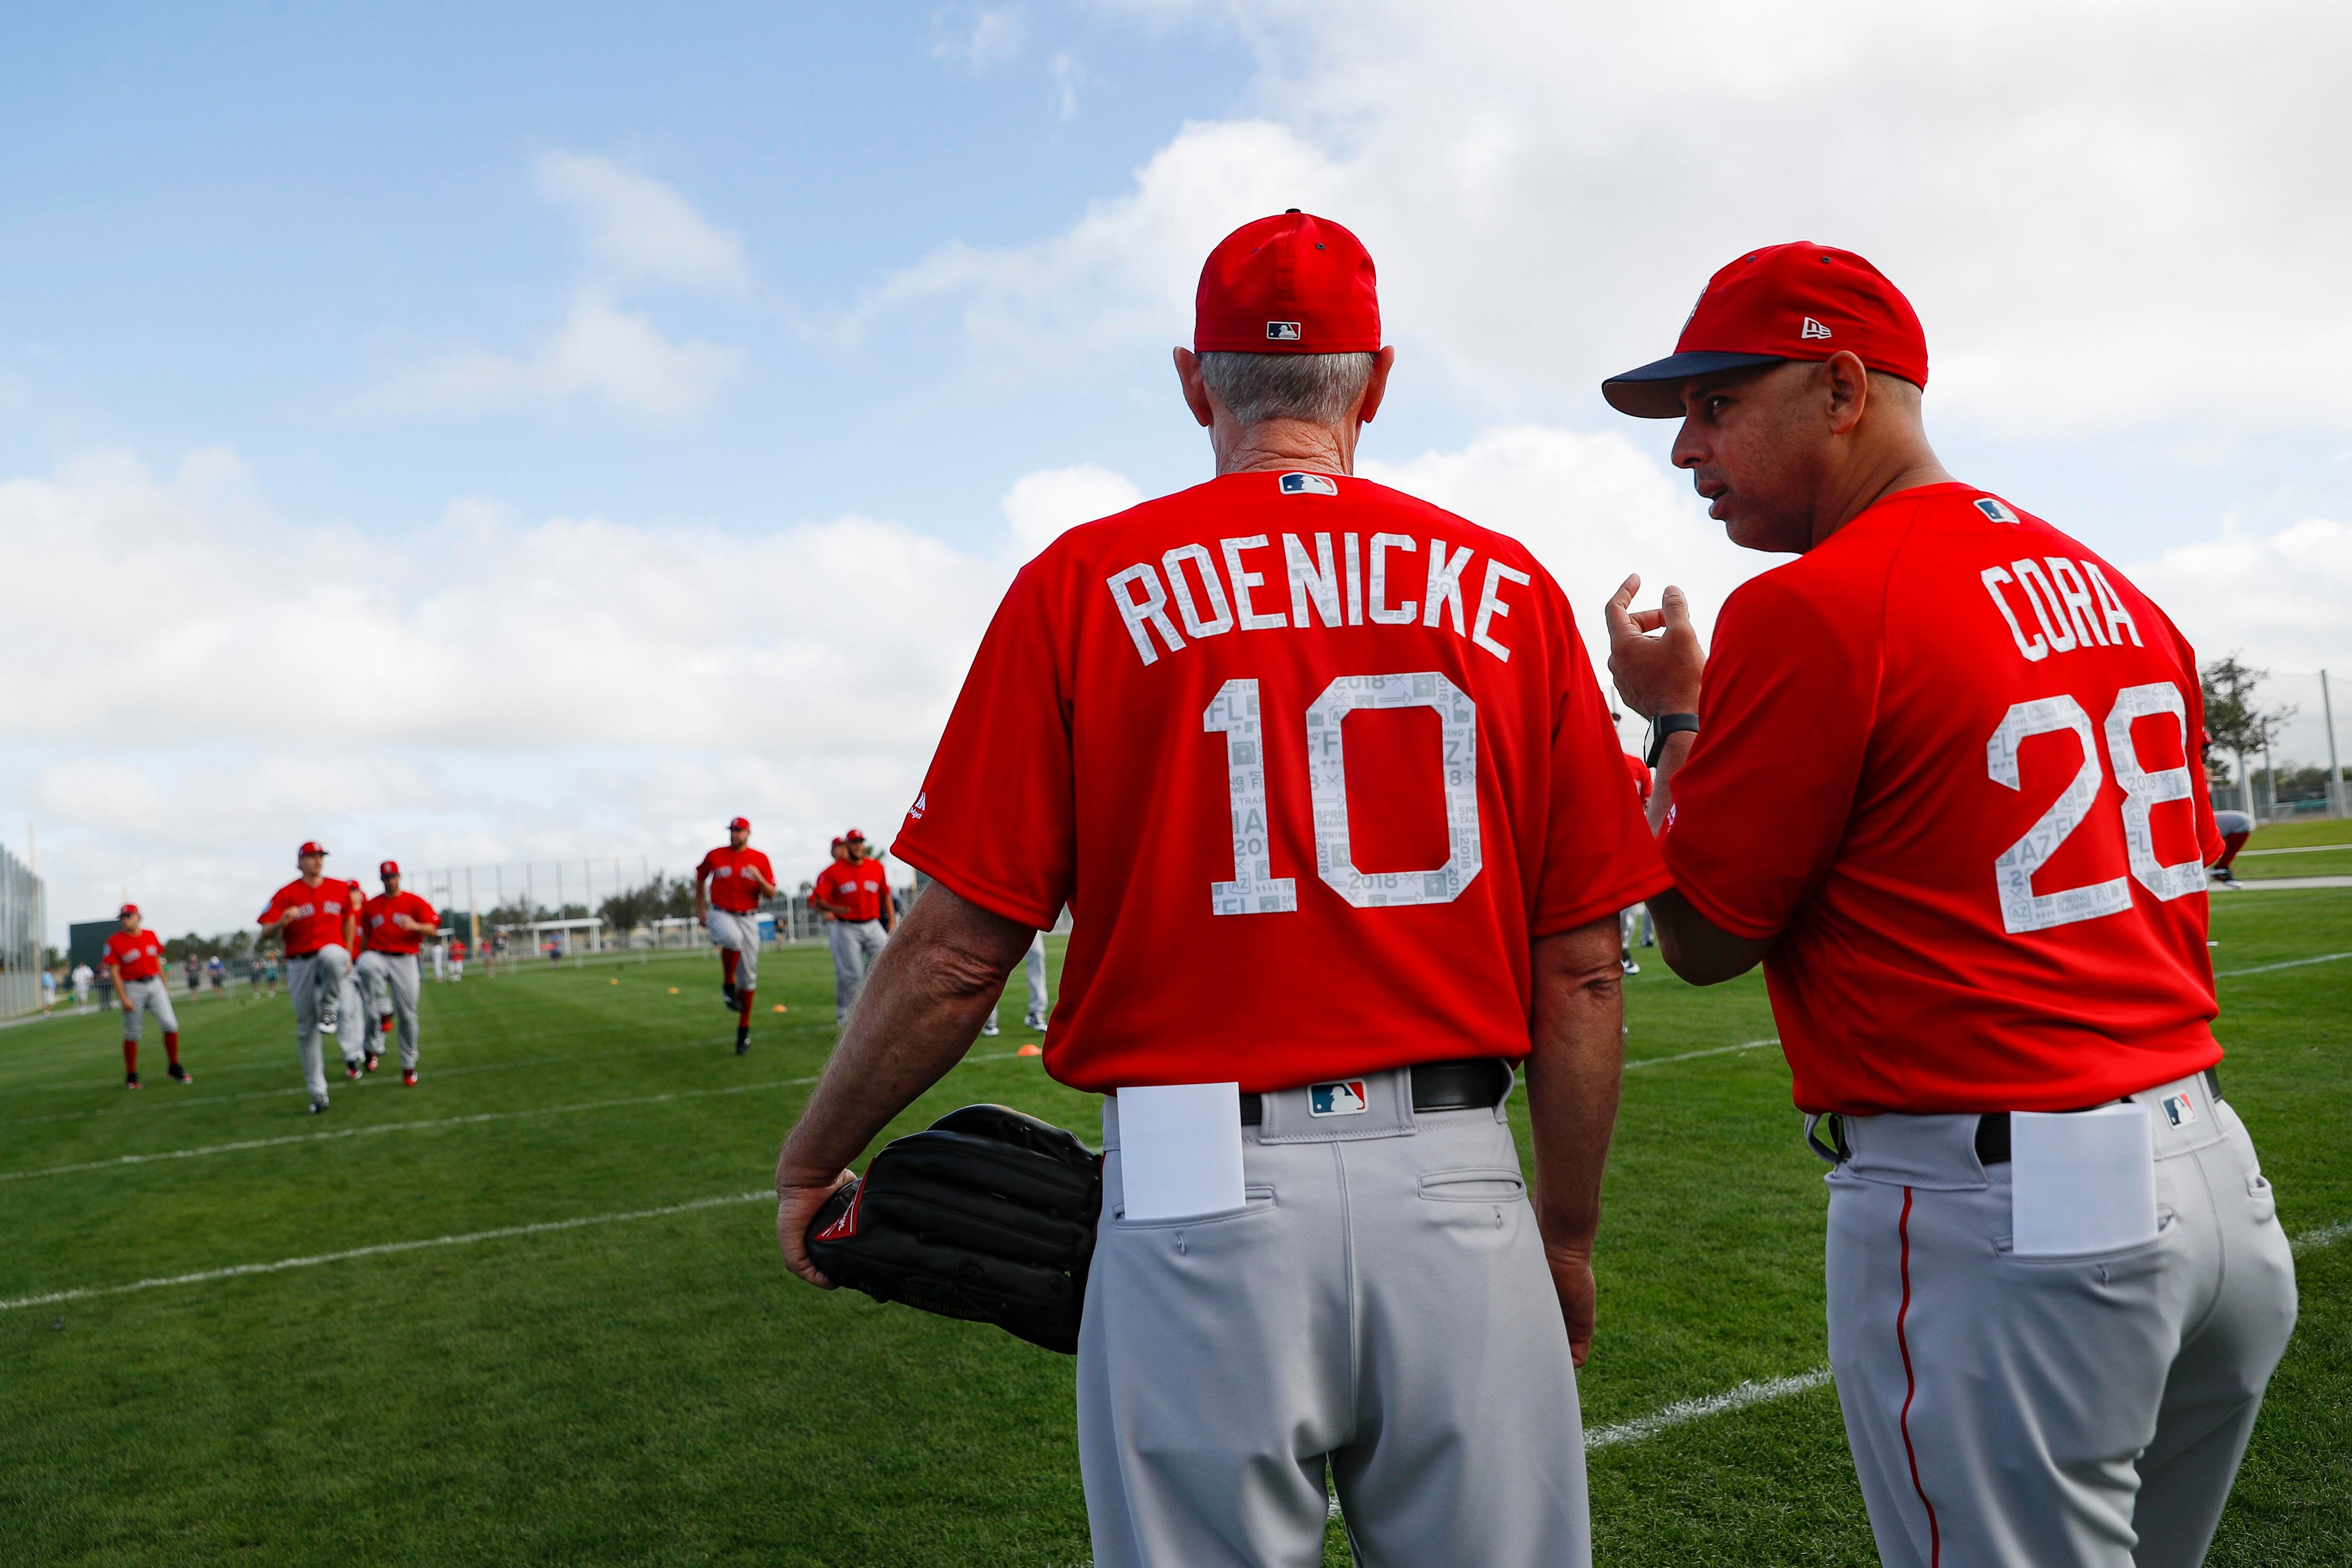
(479, 1117)
(2325, 1235)
(379, 1250)
(2290, 964)
(1692, 1056)
(1755, 1392)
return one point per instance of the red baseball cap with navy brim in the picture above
(853, 836)
(1290, 284)
(310, 847)
(1794, 302)
(389, 869)
(742, 822)
(127, 911)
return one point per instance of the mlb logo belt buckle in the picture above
(1345, 1098)
(2179, 1109)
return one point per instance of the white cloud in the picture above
(2284, 600)
(1043, 505)
(616, 357)
(479, 688)
(639, 229)
(2108, 217)
(981, 39)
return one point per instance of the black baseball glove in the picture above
(988, 1215)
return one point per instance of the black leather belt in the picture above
(1992, 1130)
(1467, 1083)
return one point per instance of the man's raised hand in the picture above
(1655, 655)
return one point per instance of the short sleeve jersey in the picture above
(139, 954)
(857, 886)
(318, 914)
(731, 890)
(380, 933)
(1944, 758)
(1310, 762)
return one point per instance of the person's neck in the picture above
(1284, 445)
(1905, 466)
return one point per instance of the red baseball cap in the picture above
(310, 847)
(742, 822)
(853, 836)
(1795, 302)
(839, 841)
(389, 869)
(1291, 284)
(127, 911)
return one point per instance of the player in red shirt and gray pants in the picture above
(1943, 788)
(739, 878)
(1325, 780)
(134, 960)
(314, 916)
(855, 897)
(391, 927)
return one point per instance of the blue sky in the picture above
(654, 405)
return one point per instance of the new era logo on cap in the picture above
(1812, 329)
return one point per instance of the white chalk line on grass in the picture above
(1756, 1391)
(172, 1099)
(380, 1249)
(1692, 1056)
(2290, 964)
(243, 1144)
(2325, 1235)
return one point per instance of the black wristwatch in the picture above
(1667, 724)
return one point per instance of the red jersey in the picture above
(456, 950)
(380, 933)
(731, 888)
(1639, 772)
(857, 886)
(1945, 759)
(139, 954)
(318, 914)
(1310, 762)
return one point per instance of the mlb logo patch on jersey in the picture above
(1995, 510)
(1309, 485)
(2179, 1109)
(1282, 332)
(1344, 1099)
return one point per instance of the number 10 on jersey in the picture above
(1256, 890)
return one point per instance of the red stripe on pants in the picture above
(1911, 1387)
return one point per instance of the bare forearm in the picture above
(1572, 1077)
(925, 1001)
(1694, 947)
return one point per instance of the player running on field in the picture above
(1938, 775)
(855, 898)
(1325, 778)
(313, 915)
(392, 925)
(737, 877)
(134, 961)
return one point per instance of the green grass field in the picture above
(654, 1389)
(2299, 849)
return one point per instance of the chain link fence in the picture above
(21, 926)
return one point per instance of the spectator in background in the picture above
(81, 978)
(48, 989)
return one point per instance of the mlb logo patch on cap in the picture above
(1343, 1099)
(1309, 485)
(1282, 332)
(2179, 1109)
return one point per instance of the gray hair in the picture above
(1317, 389)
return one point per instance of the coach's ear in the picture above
(1376, 387)
(1196, 388)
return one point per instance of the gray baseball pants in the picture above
(312, 981)
(389, 980)
(1380, 1305)
(2077, 1412)
(855, 945)
(738, 935)
(147, 996)
(1034, 964)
